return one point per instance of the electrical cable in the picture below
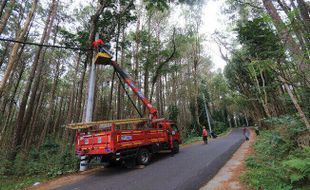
(45, 45)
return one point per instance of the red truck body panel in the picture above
(111, 140)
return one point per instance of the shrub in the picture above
(297, 166)
(219, 127)
(278, 162)
(48, 160)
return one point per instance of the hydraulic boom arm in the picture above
(101, 59)
(152, 110)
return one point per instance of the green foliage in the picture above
(298, 166)
(259, 39)
(49, 160)
(252, 68)
(156, 4)
(173, 112)
(164, 4)
(219, 127)
(21, 182)
(279, 163)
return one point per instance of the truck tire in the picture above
(176, 147)
(143, 157)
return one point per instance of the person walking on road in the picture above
(205, 135)
(246, 133)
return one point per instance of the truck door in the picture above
(175, 132)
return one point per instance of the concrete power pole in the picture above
(207, 113)
(90, 102)
(91, 88)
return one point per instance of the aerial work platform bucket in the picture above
(103, 58)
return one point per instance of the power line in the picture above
(45, 45)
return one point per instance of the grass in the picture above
(15, 182)
(191, 140)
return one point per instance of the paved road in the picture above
(190, 169)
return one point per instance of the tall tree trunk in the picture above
(288, 40)
(40, 63)
(6, 16)
(30, 138)
(67, 134)
(80, 93)
(7, 96)
(20, 125)
(20, 37)
(301, 34)
(72, 91)
(51, 102)
(120, 95)
(2, 6)
(136, 57)
(295, 102)
(58, 115)
(161, 96)
(158, 102)
(262, 96)
(304, 12)
(12, 102)
(147, 64)
(196, 61)
(6, 48)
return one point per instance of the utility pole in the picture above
(246, 120)
(235, 120)
(207, 113)
(91, 88)
(90, 102)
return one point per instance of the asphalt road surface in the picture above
(190, 169)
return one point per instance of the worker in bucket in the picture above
(205, 135)
(102, 46)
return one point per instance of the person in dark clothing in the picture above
(246, 133)
(256, 130)
(213, 135)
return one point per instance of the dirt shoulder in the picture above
(62, 180)
(229, 175)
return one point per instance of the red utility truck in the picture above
(127, 139)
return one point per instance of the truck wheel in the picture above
(143, 157)
(176, 147)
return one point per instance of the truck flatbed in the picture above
(111, 137)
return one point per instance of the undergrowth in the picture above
(36, 165)
(192, 139)
(278, 162)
